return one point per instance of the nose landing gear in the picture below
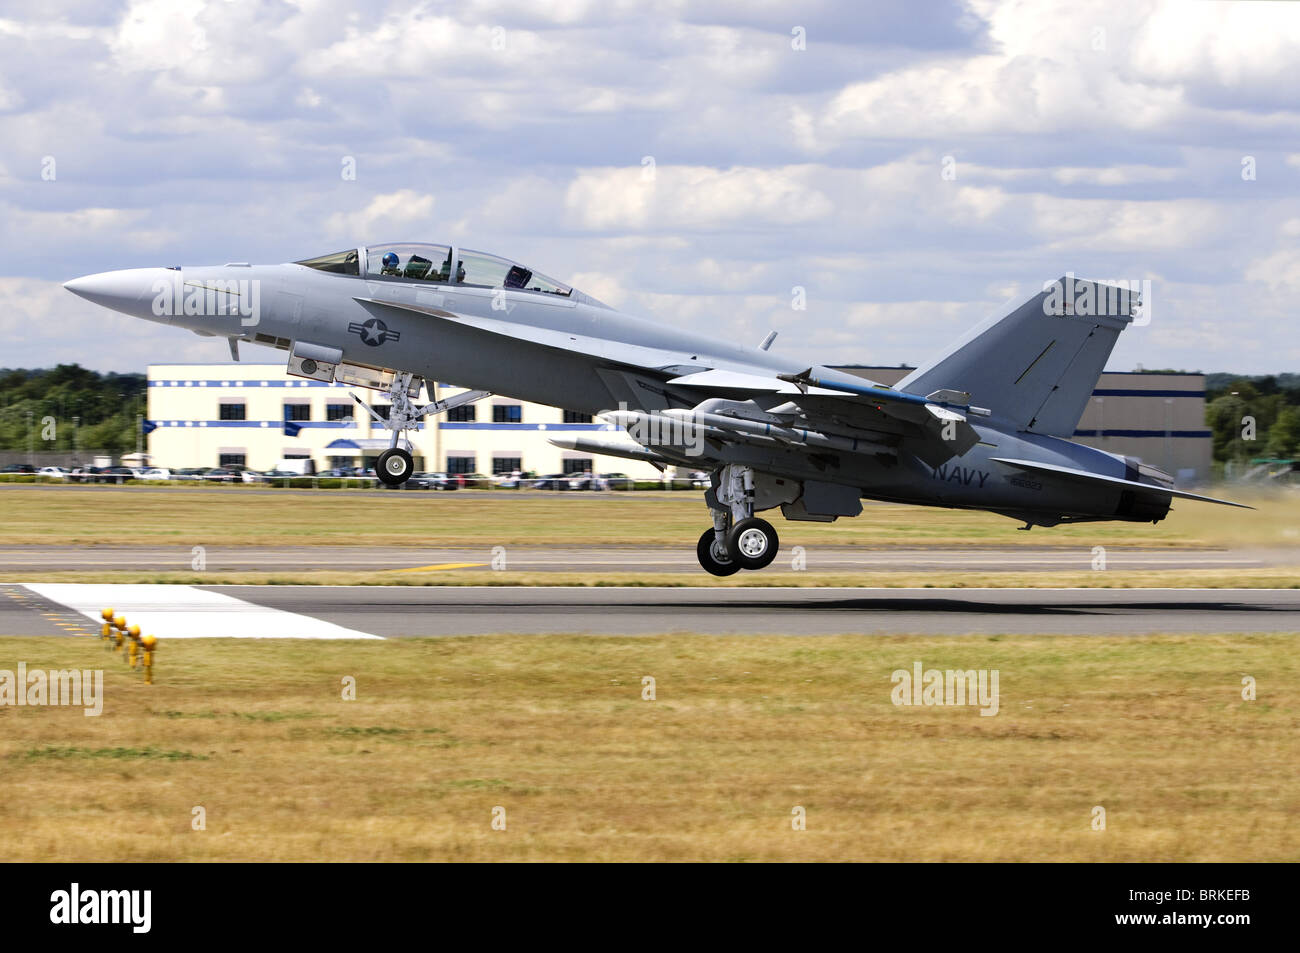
(395, 465)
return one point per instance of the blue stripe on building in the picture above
(338, 424)
(1199, 434)
(277, 424)
(1115, 392)
(494, 426)
(232, 384)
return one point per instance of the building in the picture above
(257, 415)
(1159, 418)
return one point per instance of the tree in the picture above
(1284, 435)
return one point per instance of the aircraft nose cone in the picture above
(133, 291)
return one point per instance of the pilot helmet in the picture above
(390, 260)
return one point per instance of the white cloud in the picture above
(42, 324)
(1099, 137)
(1114, 175)
(693, 197)
(405, 211)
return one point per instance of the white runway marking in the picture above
(186, 612)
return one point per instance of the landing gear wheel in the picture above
(394, 466)
(711, 558)
(752, 543)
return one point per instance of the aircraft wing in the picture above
(821, 398)
(632, 354)
(1085, 476)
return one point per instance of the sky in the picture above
(868, 180)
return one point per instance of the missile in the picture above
(614, 445)
(781, 432)
(674, 427)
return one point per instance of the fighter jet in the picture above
(985, 425)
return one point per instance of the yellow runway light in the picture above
(150, 645)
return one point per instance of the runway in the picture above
(414, 611)
(606, 558)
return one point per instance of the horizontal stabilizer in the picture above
(1087, 477)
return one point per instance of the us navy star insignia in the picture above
(373, 332)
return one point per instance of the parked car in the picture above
(191, 473)
(420, 480)
(223, 475)
(583, 480)
(554, 481)
(600, 481)
(54, 473)
(83, 474)
(18, 468)
(246, 474)
(114, 475)
(156, 473)
(473, 481)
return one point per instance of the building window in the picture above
(460, 464)
(338, 411)
(232, 460)
(383, 410)
(297, 411)
(576, 465)
(573, 417)
(464, 414)
(506, 464)
(232, 412)
(507, 414)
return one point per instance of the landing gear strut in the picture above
(739, 539)
(395, 464)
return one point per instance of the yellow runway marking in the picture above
(435, 568)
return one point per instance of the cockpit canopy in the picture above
(417, 261)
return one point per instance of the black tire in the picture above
(752, 543)
(708, 557)
(394, 466)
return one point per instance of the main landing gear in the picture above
(739, 539)
(395, 465)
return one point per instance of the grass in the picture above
(743, 730)
(71, 515)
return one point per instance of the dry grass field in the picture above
(236, 516)
(743, 730)
(233, 517)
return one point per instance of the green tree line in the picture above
(1253, 418)
(107, 405)
(55, 397)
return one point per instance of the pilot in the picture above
(390, 262)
